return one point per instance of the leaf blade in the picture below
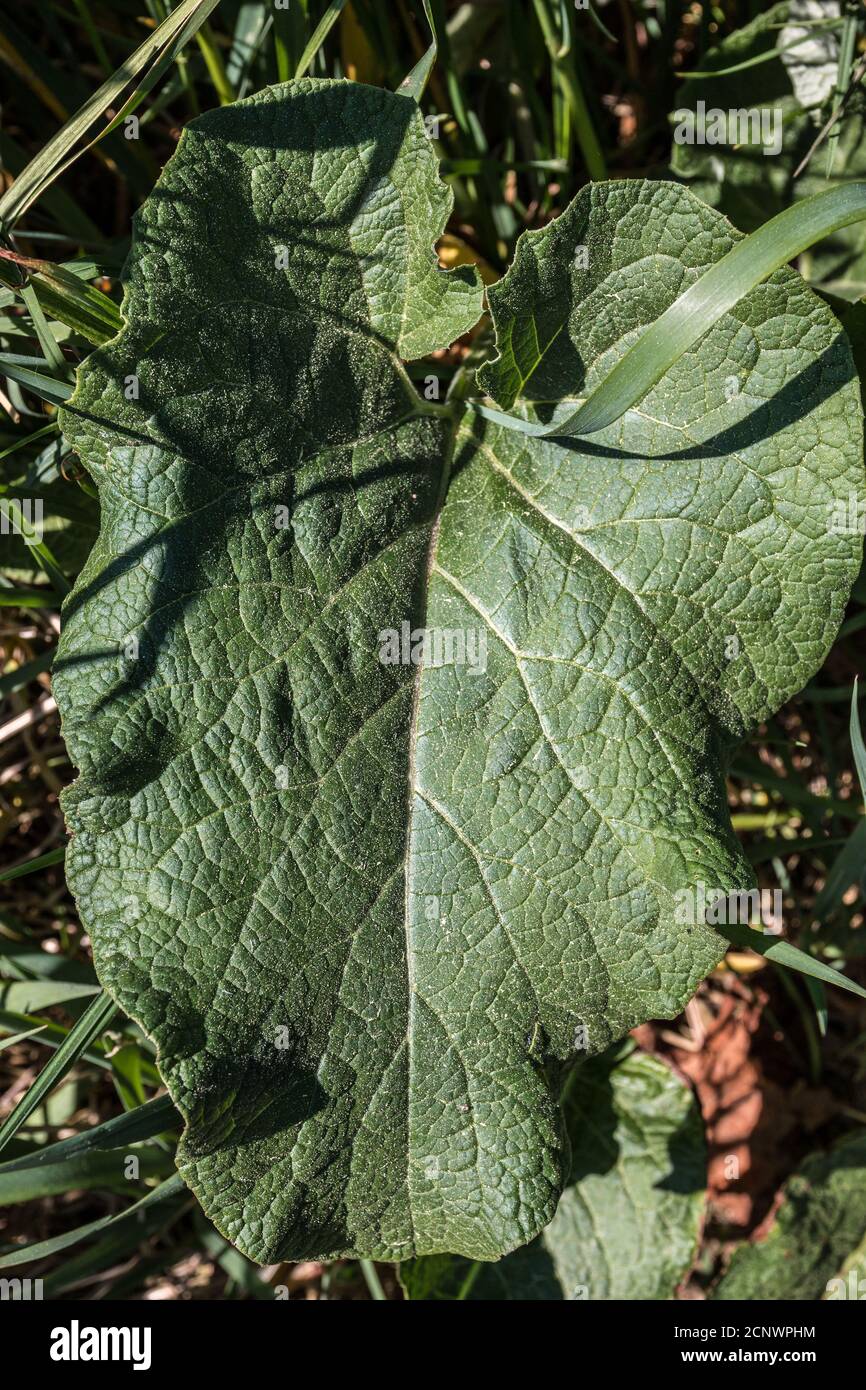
(382, 856)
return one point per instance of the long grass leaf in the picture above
(28, 996)
(65, 295)
(664, 342)
(87, 1171)
(414, 83)
(172, 1187)
(857, 744)
(52, 856)
(16, 680)
(180, 25)
(145, 1122)
(52, 1035)
(319, 34)
(30, 439)
(46, 387)
(29, 598)
(91, 1023)
(18, 1038)
(12, 511)
(783, 953)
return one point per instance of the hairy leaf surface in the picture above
(369, 910)
(812, 1250)
(628, 1222)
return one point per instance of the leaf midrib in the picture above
(411, 791)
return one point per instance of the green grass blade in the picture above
(146, 1122)
(215, 65)
(818, 996)
(18, 1038)
(87, 1171)
(46, 387)
(41, 327)
(559, 47)
(857, 743)
(700, 306)
(783, 953)
(847, 48)
(241, 1271)
(768, 56)
(372, 1280)
(71, 301)
(114, 1248)
(414, 83)
(180, 25)
(12, 681)
(246, 41)
(29, 996)
(30, 866)
(52, 1035)
(30, 439)
(319, 34)
(91, 1023)
(29, 598)
(12, 510)
(172, 1187)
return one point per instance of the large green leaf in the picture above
(369, 911)
(628, 1222)
(812, 1247)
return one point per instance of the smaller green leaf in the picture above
(821, 1222)
(637, 1169)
